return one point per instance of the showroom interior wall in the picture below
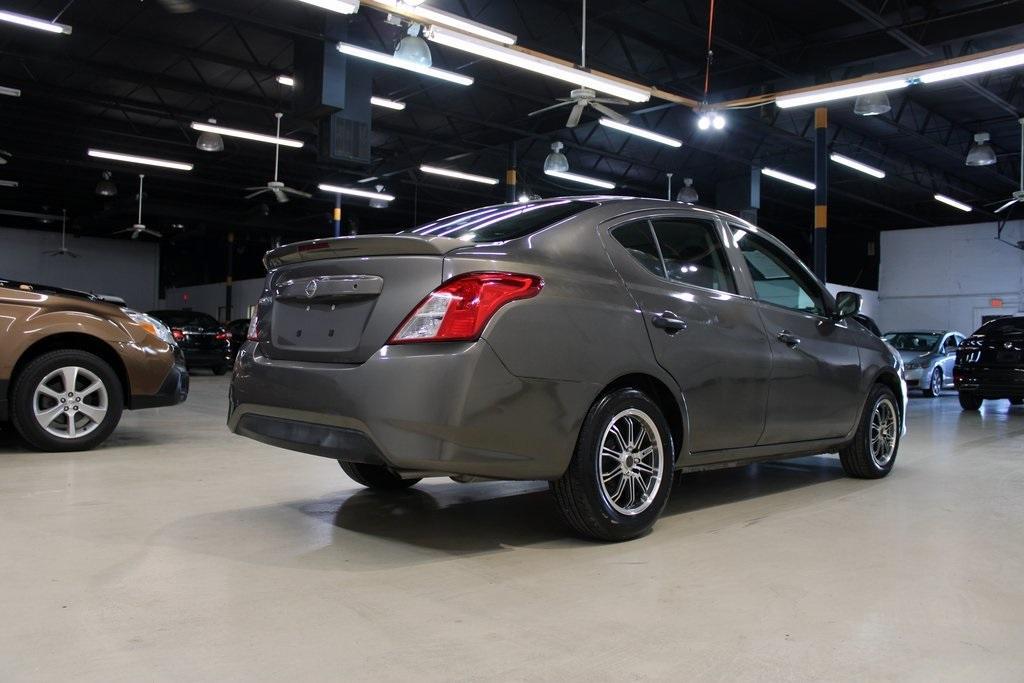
(947, 277)
(125, 268)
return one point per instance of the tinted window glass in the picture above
(692, 253)
(912, 341)
(1002, 326)
(778, 279)
(951, 342)
(185, 318)
(639, 242)
(500, 223)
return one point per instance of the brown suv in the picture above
(70, 362)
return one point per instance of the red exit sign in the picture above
(995, 303)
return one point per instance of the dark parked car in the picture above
(237, 328)
(597, 343)
(990, 364)
(205, 342)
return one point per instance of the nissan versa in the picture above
(597, 343)
(70, 362)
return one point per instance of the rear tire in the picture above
(66, 401)
(375, 477)
(219, 369)
(620, 476)
(934, 389)
(969, 400)
(1017, 401)
(873, 450)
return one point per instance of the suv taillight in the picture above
(223, 335)
(177, 334)
(459, 309)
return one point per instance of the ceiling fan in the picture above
(581, 97)
(275, 186)
(139, 227)
(64, 250)
(1018, 196)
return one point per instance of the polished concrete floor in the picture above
(181, 552)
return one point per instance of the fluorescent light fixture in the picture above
(339, 6)
(857, 166)
(952, 202)
(10, 92)
(792, 179)
(973, 67)
(134, 159)
(9, 183)
(235, 133)
(368, 180)
(841, 92)
(640, 132)
(577, 178)
(356, 192)
(538, 64)
(458, 174)
(391, 60)
(430, 15)
(286, 80)
(386, 103)
(32, 22)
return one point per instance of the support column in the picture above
(821, 193)
(511, 175)
(337, 215)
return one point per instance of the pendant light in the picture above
(106, 187)
(981, 152)
(556, 161)
(687, 193)
(872, 104)
(210, 142)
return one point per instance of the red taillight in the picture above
(459, 309)
(177, 334)
(223, 335)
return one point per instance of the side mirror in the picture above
(848, 304)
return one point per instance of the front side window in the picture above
(778, 279)
(683, 250)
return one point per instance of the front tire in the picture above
(934, 389)
(375, 477)
(620, 476)
(66, 401)
(969, 400)
(219, 370)
(872, 452)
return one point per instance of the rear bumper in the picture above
(172, 391)
(444, 408)
(990, 382)
(207, 358)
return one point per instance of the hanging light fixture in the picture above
(687, 193)
(414, 49)
(209, 141)
(379, 202)
(106, 187)
(556, 161)
(872, 104)
(981, 152)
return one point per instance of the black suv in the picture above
(990, 363)
(205, 342)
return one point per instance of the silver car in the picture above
(598, 343)
(928, 358)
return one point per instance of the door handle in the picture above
(669, 322)
(788, 338)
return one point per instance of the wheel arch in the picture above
(673, 408)
(75, 341)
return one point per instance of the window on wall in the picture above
(687, 251)
(778, 278)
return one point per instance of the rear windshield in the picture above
(500, 223)
(1002, 326)
(912, 341)
(185, 318)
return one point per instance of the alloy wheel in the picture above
(937, 382)
(631, 462)
(70, 402)
(884, 431)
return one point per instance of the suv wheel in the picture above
(872, 452)
(66, 401)
(375, 476)
(620, 476)
(970, 401)
(934, 384)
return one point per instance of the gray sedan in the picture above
(928, 358)
(598, 343)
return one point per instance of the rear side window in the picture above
(501, 223)
(693, 254)
(638, 240)
(1002, 326)
(185, 318)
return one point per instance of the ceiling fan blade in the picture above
(135, 234)
(575, 115)
(1007, 205)
(611, 100)
(257, 193)
(281, 196)
(553, 106)
(119, 232)
(297, 193)
(610, 113)
(256, 187)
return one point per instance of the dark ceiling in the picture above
(132, 75)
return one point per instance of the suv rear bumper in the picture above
(448, 408)
(990, 382)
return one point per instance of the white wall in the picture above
(125, 268)
(210, 298)
(944, 278)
